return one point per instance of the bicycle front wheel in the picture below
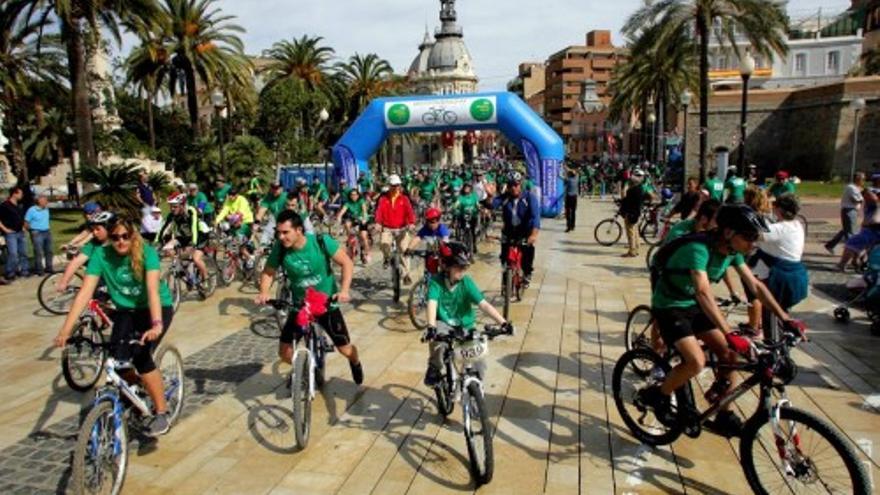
(170, 365)
(650, 232)
(100, 458)
(628, 383)
(58, 303)
(639, 327)
(478, 435)
(302, 402)
(506, 290)
(83, 357)
(395, 278)
(608, 232)
(806, 456)
(418, 304)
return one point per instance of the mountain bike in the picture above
(461, 381)
(781, 448)
(85, 353)
(354, 245)
(512, 275)
(654, 224)
(233, 258)
(100, 457)
(307, 374)
(417, 304)
(608, 231)
(466, 230)
(58, 303)
(183, 275)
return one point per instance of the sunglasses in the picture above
(120, 237)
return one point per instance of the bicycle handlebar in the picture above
(459, 334)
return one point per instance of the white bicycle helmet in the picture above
(105, 218)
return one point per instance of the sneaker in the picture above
(829, 249)
(158, 426)
(651, 397)
(357, 372)
(432, 376)
(726, 424)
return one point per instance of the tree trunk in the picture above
(661, 125)
(82, 112)
(703, 32)
(192, 98)
(150, 98)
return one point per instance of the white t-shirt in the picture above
(784, 241)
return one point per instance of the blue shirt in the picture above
(442, 232)
(37, 218)
(521, 215)
(146, 193)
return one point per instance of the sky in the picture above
(500, 34)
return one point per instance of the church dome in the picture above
(420, 63)
(450, 54)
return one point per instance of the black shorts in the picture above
(677, 323)
(130, 324)
(332, 322)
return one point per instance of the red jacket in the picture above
(395, 214)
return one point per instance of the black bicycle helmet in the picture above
(741, 219)
(454, 253)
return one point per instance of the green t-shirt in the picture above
(780, 188)
(200, 199)
(680, 229)
(274, 204)
(426, 190)
(736, 188)
(715, 188)
(356, 209)
(676, 288)
(221, 193)
(366, 184)
(125, 290)
(320, 191)
(456, 183)
(306, 267)
(467, 203)
(455, 306)
(89, 248)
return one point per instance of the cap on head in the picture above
(433, 214)
(90, 208)
(394, 180)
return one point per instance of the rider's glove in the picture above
(508, 328)
(796, 327)
(738, 343)
(429, 334)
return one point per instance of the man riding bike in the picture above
(735, 186)
(199, 201)
(395, 213)
(685, 310)
(714, 187)
(466, 206)
(521, 214)
(318, 195)
(188, 231)
(237, 211)
(452, 296)
(305, 259)
(355, 214)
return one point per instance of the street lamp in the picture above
(219, 102)
(686, 97)
(857, 105)
(746, 68)
(652, 134)
(324, 116)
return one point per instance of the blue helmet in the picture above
(666, 193)
(91, 207)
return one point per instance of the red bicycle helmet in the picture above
(781, 175)
(433, 213)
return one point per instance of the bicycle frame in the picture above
(311, 340)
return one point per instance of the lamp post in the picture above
(686, 97)
(324, 116)
(746, 67)
(652, 119)
(219, 102)
(857, 105)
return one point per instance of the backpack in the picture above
(658, 262)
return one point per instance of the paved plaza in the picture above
(549, 393)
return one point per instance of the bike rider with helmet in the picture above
(452, 296)
(395, 213)
(237, 211)
(305, 259)
(99, 225)
(434, 229)
(355, 213)
(782, 185)
(319, 195)
(637, 194)
(89, 210)
(521, 215)
(685, 310)
(189, 232)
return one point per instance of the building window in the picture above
(832, 65)
(800, 64)
(722, 62)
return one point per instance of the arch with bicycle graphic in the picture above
(504, 111)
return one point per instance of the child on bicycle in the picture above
(434, 230)
(452, 296)
(130, 269)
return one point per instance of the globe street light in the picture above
(686, 97)
(652, 119)
(746, 68)
(857, 105)
(219, 102)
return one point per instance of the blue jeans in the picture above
(16, 254)
(42, 242)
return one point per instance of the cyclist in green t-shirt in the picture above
(783, 185)
(714, 187)
(306, 261)
(685, 310)
(271, 204)
(319, 195)
(355, 213)
(452, 296)
(365, 183)
(130, 269)
(221, 190)
(98, 225)
(735, 186)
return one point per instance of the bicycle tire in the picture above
(51, 300)
(649, 255)
(209, 286)
(482, 474)
(302, 402)
(646, 435)
(90, 427)
(650, 233)
(173, 284)
(416, 305)
(395, 279)
(320, 358)
(608, 232)
(443, 392)
(228, 268)
(85, 337)
(858, 477)
(636, 326)
(170, 365)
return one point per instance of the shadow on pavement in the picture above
(245, 303)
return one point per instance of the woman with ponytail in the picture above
(143, 308)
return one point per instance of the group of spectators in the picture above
(19, 221)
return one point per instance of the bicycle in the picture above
(307, 374)
(85, 353)
(789, 431)
(466, 230)
(231, 260)
(58, 303)
(461, 381)
(512, 276)
(354, 245)
(102, 441)
(417, 304)
(654, 224)
(182, 274)
(608, 231)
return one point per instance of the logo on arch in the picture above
(482, 109)
(398, 114)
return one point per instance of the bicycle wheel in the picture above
(227, 267)
(819, 460)
(395, 278)
(638, 328)
(82, 359)
(443, 392)
(170, 365)
(608, 232)
(628, 381)
(478, 434)
(58, 303)
(417, 305)
(173, 283)
(302, 402)
(506, 290)
(100, 458)
(208, 286)
(650, 232)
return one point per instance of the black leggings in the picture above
(130, 324)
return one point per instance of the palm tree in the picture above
(204, 46)
(148, 66)
(761, 22)
(367, 77)
(304, 59)
(81, 21)
(49, 140)
(115, 187)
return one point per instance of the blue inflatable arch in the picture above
(541, 146)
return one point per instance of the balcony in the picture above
(765, 72)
